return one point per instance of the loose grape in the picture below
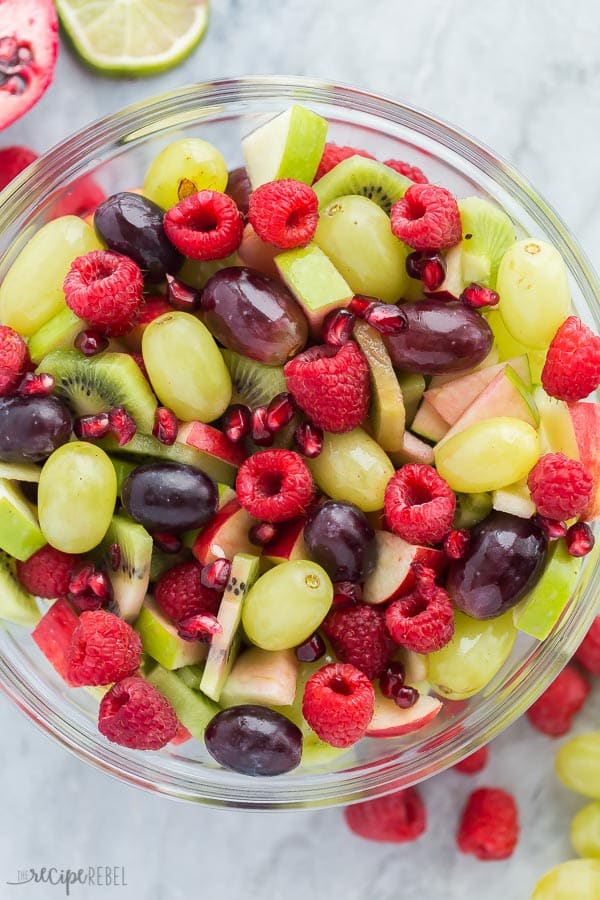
(76, 497)
(184, 168)
(31, 428)
(169, 496)
(186, 368)
(287, 604)
(254, 740)
(577, 764)
(534, 292)
(585, 831)
(577, 879)
(339, 537)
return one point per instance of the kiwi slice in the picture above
(98, 384)
(146, 448)
(387, 412)
(16, 604)
(487, 235)
(254, 383)
(128, 567)
(365, 177)
(58, 333)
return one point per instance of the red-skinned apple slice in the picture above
(289, 543)
(393, 575)
(414, 450)
(453, 284)
(390, 720)
(226, 535)
(586, 424)
(211, 440)
(451, 400)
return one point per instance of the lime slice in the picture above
(133, 37)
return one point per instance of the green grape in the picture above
(577, 764)
(184, 168)
(76, 497)
(286, 605)
(577, 879)
(31, 292)
(488, 455)
(509, 347)
(354, 468)
(585, 831)
(534, 292)
(477, 651)
(355, 234)
(186, 368)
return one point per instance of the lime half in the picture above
(133, 37)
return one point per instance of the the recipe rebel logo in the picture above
(91, 876)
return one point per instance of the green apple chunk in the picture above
(191, 675)
(315, 283)
(540, 610)
(20, 472)
(16, 604)
(387, 404)
(161, 641)
(193, 709)
(20, 533)
(288, 146)
(267, 677)
(58, 333)
(354, 468)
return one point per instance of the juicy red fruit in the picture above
(489, 826)
(12, 161)
(134, 714)
(274, 485)
(205, 226)
(14, 359)
(552, 713)
(103, 649)
(419, 505)
(105, 289)
(338, 704)
(284, 213)
(397, 818)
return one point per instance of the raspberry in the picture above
(333, 155)
(180, 593)
(560, 487)
(419, 505)
(331, 385)
(274, 485)
(427, 218)
(338, 704)
(284, 213)
(134, 714)
(403, 168)
(572, 367)
(14, 359)
(103, 649)
(588, 654)
(553, 711)
(81, 199)
(48, 572)
(207, 225)
(12, 161)
(397, 818)
(489, 825)
(151, 309)
(474, 763)
(105, 289)
(359, 637)
(423, 620)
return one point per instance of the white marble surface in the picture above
(524, 78)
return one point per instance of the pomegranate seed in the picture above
(262, 534)
(337, 327)
(166, 426)
(100, 585)
(216, 574)
(308, 439)
(414, 264)
(386, 318)
(580, 539)
(201, 627)
(237, 422)
(91, 428)
(90, 342)
(280, 412)
(40, 385)
(360, 304)
(392, 679)
(476, 296)
(181, 296)
(350, 589)
(433, 273)
(80, 578)
(114, 552)
(312, 649)
(552, 528)
(168, 543)
(259, 431)
(456, 543)
(406, 696)
(122, 425)
(89, 588)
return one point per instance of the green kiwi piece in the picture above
(253, 383)
(487, 234)
(56, 334)
(365, 177)
(145, 448)
(98, 384)
(128, 567)
(16, 604)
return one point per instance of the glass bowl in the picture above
(116, 150)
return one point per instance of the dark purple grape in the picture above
(254, 740)
(339, 538)
(254, 315)
(239, 189)
(133, 225)
(169, 497)
(440, 337)
(503, 562)
(32, 427)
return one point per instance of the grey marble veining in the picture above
(524, 78)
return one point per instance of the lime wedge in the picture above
(133, 37)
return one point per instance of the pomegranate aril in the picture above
(89, 588)
(168, 543)
(100, 585)
(216, 574)
(406, 696)
(122, 425)
(40, 385)
(414, 264)
(201, 627)
(350, 589)
(259, 431)
(166, 426)
(91, 428)
(79, 581)
(114, 552)
(90, 342)
(337, 327)
(262, 534)
(477, 296)
(312, 649)
(456, 543)
(280, 412)
(433, 273)
(308, 439)
(360, 304)
(554, 529)
(181, 296)
(236, 422)
(580, 539)
(392, 679)
(386, 318)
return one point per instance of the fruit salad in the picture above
(289, 454)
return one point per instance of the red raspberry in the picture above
(338, 704)
(274, 485)
(560, 487)
(207, 225)
(419, 505)
(572, 367)
(48, 572)
(103, 649)
(397, 818)
(14, 359)
(489, 825)
(105, 289)
(134, 714)
(180, 593)
(474, 763)
(12, 161)
(331, 385)
(423, 620)
(553, 711)
(427, 218)
(333, 155)
(403, 168)
(359, 636)
(284, 213)
(588, 654)
(81, 199)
